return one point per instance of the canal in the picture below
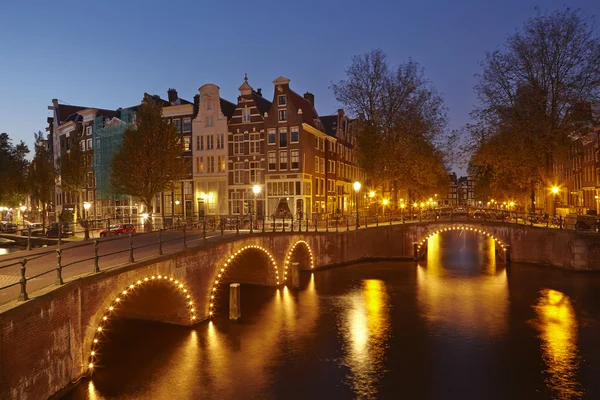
(457, 325)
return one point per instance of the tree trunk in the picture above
(532, 195)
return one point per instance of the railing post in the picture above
(204, 228)
(273, 223)
(184, 236)
(86, 231)
(29, 238)
(222, 226)
(251, 227)
(131, 260)
(292, 224)
(59, 279)
(337, 223)
(402, 217)
(283, 224)
(377, 220)
(23, 282)
(316, 224)
(300, 224)
(263, 223)
(326, 224)
(59, 234)
(96, 258)
(366, 221)
(160, 251)
(307, 224)
(560, 222)
(347, 225)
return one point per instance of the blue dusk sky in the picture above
(106, 54)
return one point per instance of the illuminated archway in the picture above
(422, 242)
(288, 257)
(221, 272)
(121, 298)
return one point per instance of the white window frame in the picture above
(294, 130)
(246, 114)
(272, 155)
(238, 173)
(272, 131)
(254, 143)
(279, 103)
(294, 154)
(283, 131)
(280, 113)
(238, 144)
(285, 157)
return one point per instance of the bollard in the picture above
(96, 258)
(235, 311)
(160, 252)
(29, 238)
(184, 237)
(326, 224)
(507, 256)
(283, 224)
(23, 282)
(131, 260)
(415, 252)
(59, 279)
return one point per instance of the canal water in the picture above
(458, 325)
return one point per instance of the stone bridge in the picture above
(56, 337)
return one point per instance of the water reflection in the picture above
(366, 330)
(461, 290)
(557, 326)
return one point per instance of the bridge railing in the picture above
(43, 267)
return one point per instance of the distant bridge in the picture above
(69, 296)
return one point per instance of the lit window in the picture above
(282, 100)
(282, 115)
(295, 159)
(294, 135)
(199, 165)
(272, 161)
(221, 164)
(187, 143)
(283, 160)
(271, 134)
(316, 164)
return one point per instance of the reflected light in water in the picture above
(557, 325)
(92, 395)
(366, 328)
(474, 305)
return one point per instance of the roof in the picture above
(309, 112)
(330, 124)
(262, 104)
(227, 107)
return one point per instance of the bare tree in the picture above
(401, 120)
(73, 168)
(534, 97)
(149, 160)
(41, 174)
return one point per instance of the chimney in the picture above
(259, 91)
(196, 105)
(340, 112)
(310, 97)
(172, 95)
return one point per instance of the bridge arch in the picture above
(121, 297)
(290, 253)
(224, 266)
(423, 240)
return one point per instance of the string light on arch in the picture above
(288, 258)
(462, 228)
(221, 272)
(122, 298)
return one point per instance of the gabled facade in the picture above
(247, 163)
(210, 141)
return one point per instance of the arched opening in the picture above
(422, 243)
(298, 258)
(251, 265)
(154, 297)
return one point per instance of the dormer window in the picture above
(246, 115)
(282, 115)
(282, 100)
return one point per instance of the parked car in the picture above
(66, 229)
(36, 230)
(8, 227)
(118, 229)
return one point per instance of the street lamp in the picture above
(555, 191)
(402, 205)
(356, 190)
(23, 208)
(256, 191)
(86, 207)
(385, 203)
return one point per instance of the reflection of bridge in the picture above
(56, 336)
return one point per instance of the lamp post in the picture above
(256, 191)
(385, 203)
(356, 190)
(23, 208)
(402, 205)
(555, 190)
(86, 207)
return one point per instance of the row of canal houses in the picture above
(304, 164)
